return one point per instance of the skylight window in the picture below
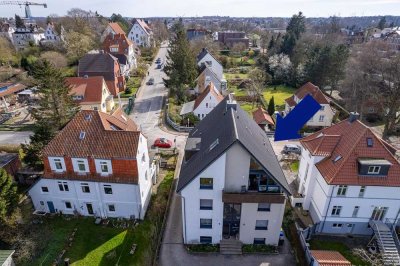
(337, 158)
(82, 135)
(370, 142)
(214, 144)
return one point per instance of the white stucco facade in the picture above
(206, 106)
(22, 37)
(357, 204)
(51, 35)
(322, 118)
(140, 36)
(230, 173)
(215, 66)
(94, 198)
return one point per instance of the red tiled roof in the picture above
(261, 117)
(91, 88)
(342, 145)
(290, 101)
(308, 89)
(329, 258)
(144, 25)
(12, 88)
(100, 139)
(118, 40)
(210, 88)
(116, 28)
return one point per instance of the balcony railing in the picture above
(252, 197)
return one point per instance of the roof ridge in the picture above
(349, 153)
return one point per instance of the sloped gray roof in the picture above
(97, 63)
(187, 108)
(230, 126)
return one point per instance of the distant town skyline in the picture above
(233, 8)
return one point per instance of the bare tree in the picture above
(375, 74)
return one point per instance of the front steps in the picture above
(230, 247)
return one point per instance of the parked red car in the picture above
(162, 143)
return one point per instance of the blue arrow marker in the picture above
(288, 127)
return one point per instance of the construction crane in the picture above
(28, 13)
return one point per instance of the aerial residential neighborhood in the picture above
(166, 133)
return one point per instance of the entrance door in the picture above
(50, 204)
(349, 228)
(379, 213)
(231, 224)
(89, 208)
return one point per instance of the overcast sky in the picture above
(234, 8)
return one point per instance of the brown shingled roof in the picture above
(99, 141)
(91, 88)
(329, 258)
(210, 88)
(261, 117)
(342, 145)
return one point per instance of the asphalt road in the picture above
(14, 138)
(148, 105)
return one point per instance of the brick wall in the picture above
(124, 171)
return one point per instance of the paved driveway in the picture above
(149, 103)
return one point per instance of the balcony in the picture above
(247, 196)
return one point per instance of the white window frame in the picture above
(53, 161)
(355, 211)
(321, 118)
(336, 210)
(99, 163)
(63, 186)
(65, 205)
(108, 207)
(342, 190)
(362, 191)
(375, 169)
(85, 185)
(77, 161)
(107, 186)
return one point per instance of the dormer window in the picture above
(373, 167)
(80, 165)
(374, 170)
(103, 167)
(57, 164)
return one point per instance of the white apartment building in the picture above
(141, 33)
(98, 165)
(231, 184)
(347, 177)
(206, 59)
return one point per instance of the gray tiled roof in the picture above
(97, 63)
(229, 126)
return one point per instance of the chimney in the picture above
(353, 117)
(231, 103)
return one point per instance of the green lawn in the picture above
(338, 246)
(280, 94)
(133, 83)
(229, 76)
(248, 107)
(294, 166)
(99, 245)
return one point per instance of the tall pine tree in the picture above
(55, 109)
(181, 64)
(8, 195)
(296, 26)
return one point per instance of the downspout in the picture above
(184, 217)
(327, 209)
